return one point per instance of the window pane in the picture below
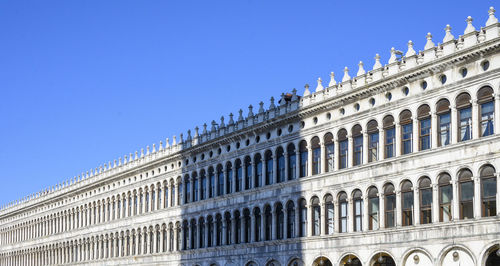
(467, 191)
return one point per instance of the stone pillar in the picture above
(336, 153)
(285, 223)
(498, 186)
(475, 119)
(297, 221)
(262, 225)
(177, 194)
(398, 210)
(274, 226)
(206, 232)
(191, 189)
(253, 234)
(365, 147)
(477, 197)
(415, 134)
(233, 229)
(215, 231)
(287, 165)
(350, 150)
(233, 185)
(309, 159)
(120, 243)
(245, 174)
(224, 229)
(365, 215)
(155, 243)
(350, 214)
(416, 205)
(455, 201)
(167, 231)
(454, 125)
(434, 130)
(224, 173)
(397, 144)
(435, 203)
(275, 169)
(336, 216)
(264, 171)
(496, 118)
(297, 163)
(322, 165)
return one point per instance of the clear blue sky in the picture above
(85, 82)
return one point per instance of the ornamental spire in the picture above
(448, 36)
(346, 75)
(377, 62)
(332, 80)
(429, 43)
(470, 28)
(361, 70)
(320, 86)
(491, 19)
(393, 57)
(410, 51)
(306, 91)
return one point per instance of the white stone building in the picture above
(395, 166)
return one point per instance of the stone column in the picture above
(309, 160)
(287, 165)
(120, 243)
(297, 163)
(416, 205)
(454, 125)
(224, 173)
(381, 143)
(245, 174)
(365, 147)
(322, 165)
(177, 194)
(336, 216)
(285, 223)
(336, 153)
(416, 135)
(398, 210)
(233, 228)
(264, 171)
(253, 234)
(155, 243)
(167, 231)
(350, 150)
(434, 130)
(475, 119)
(322, 222)
(206, 232)
(274, 225)
(275, 169)
(215, 231)
(350, 214)
(496, 118)
(224, 231)
(477, 197)
(435, 203)
(455, 202)
(365, 214)
(297, 221)
(397, 144)
(243, 228)
(233, 184)
(262, 225)
(191, 192)
(498, 182)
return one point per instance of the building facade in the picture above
(395, 166)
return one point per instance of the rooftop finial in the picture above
(231, 121)
(213, 128)
(222, 121)
(174, 140)
(261, 107)
(470, 28)
(272, 106)
(429, 43)
(240, 117)
(361, 70)
(306, 91)
(491, 19)
(393, 57)
(410, 51)
(196, 134)
(294, 95)
(320, 86)
(332, 80)
(448, 36)
(204, 128)
(377, 64)
(346, 75)
(250, 112)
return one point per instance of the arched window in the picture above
(141, 200)
(185, 236)
(269, 167)
(372, 130)
(463, 103)
(210, 229)
(390, 136)
(444, 122)
(258, 170)
(316, 216)
(424, 186)
(203, 194)
(211, 180)
(239, 175)
(493, 259)
(330, 152)
(390, 206)
(280, 225)
(373, 209)
(466, 190)
(486, 103)
(296, 262)
(445, 197)
(302, 217)
(303, 158)
(342, 198)
(248, 172)
(248, 225)
(229, 178)
(201, 238)
(195, 186)
(382, 259)
(350, 260)
(290, 209)
(218, 228)
(407, 202)
(273, 263)
(358, 210)
(322, 261)
(406, 131)
(424, 123)
(292, 162)
(237, 229)
(281, 164)
(220, 180)
(329, 215)
(357, 135)
(343, 147)
(172, 194)
(228, 230)
(268, 220)
(180, 191)
(258, 225)
(316, 156)
(187, 194)
(488, 191)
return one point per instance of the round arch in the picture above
(417, 257)
(456, 253)
(322, 261)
